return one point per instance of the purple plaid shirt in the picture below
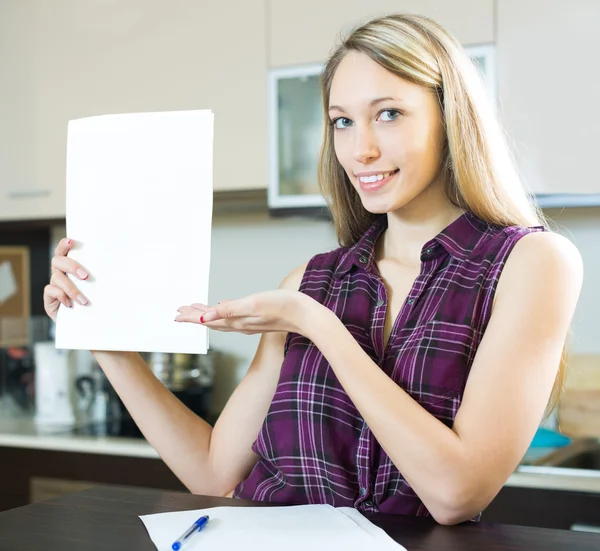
(314, 446)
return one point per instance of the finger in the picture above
(53, 298)
(67, 265)
(243, 307)
(200, 306)
(61, 281)
(64, 246)
(189, 314)
(53, 294)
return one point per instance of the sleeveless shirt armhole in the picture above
(511, 240)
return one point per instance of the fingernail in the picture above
(82, 274)
(81, 299)
(202, 319)
(70, 242)
(208, 316)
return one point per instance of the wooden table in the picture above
(106, 518)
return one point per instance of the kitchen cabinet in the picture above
(68, 59)
(304, 32)
(34, 474)
(544, 508)
(546, 51)
(22, 194)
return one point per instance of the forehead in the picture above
(358, 80)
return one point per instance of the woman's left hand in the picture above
(279, 310)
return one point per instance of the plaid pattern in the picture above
(314, 446)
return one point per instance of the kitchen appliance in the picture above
(189, 377)
(54, 394)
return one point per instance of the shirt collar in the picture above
(457, 239)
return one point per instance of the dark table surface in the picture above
(106, 518)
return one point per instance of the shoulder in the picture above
(545, 262)
(321, 263)
(545, 250)
(292, 280)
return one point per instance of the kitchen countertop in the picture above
(23, 433)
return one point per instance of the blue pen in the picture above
(187, 535)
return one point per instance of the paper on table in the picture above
(293, 528)
(139, 206)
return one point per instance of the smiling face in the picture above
(388, 135)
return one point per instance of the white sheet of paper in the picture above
(293, 528)
(139, 206)
(8, 282)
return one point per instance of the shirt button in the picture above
(363, 259)
(368, 503)
(363, 492)
(379, 303)
(410, 300)
(428, 251)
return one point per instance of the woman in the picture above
(408, 370)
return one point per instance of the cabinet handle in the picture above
(585, 527)
(28, 193)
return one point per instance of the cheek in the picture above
(341, 152)
(421, 151)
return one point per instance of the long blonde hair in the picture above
(477, 164)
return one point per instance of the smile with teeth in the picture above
(376, 177)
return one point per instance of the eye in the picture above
(341, 122)
(388, 115)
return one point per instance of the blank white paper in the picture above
(139, 206)
(292, 528)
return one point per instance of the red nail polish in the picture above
(202, 318)
(70, 242)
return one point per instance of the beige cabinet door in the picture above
(304, 32)
(22, 193)
(547, 54)
(95, 58)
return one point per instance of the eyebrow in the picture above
(372, 103)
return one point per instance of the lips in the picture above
(374, 182)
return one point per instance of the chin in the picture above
(381, 205)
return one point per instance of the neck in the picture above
(410, 227)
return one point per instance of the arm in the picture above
(209, 461)
(457, 472)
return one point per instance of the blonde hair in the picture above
(477, 165)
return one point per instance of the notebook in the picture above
(290, 528)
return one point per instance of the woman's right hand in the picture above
(61, 289)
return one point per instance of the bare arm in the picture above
(207, 460)
(457, 472)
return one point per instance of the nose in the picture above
(365, 145)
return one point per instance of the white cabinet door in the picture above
(548, 83)
(304, 32)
